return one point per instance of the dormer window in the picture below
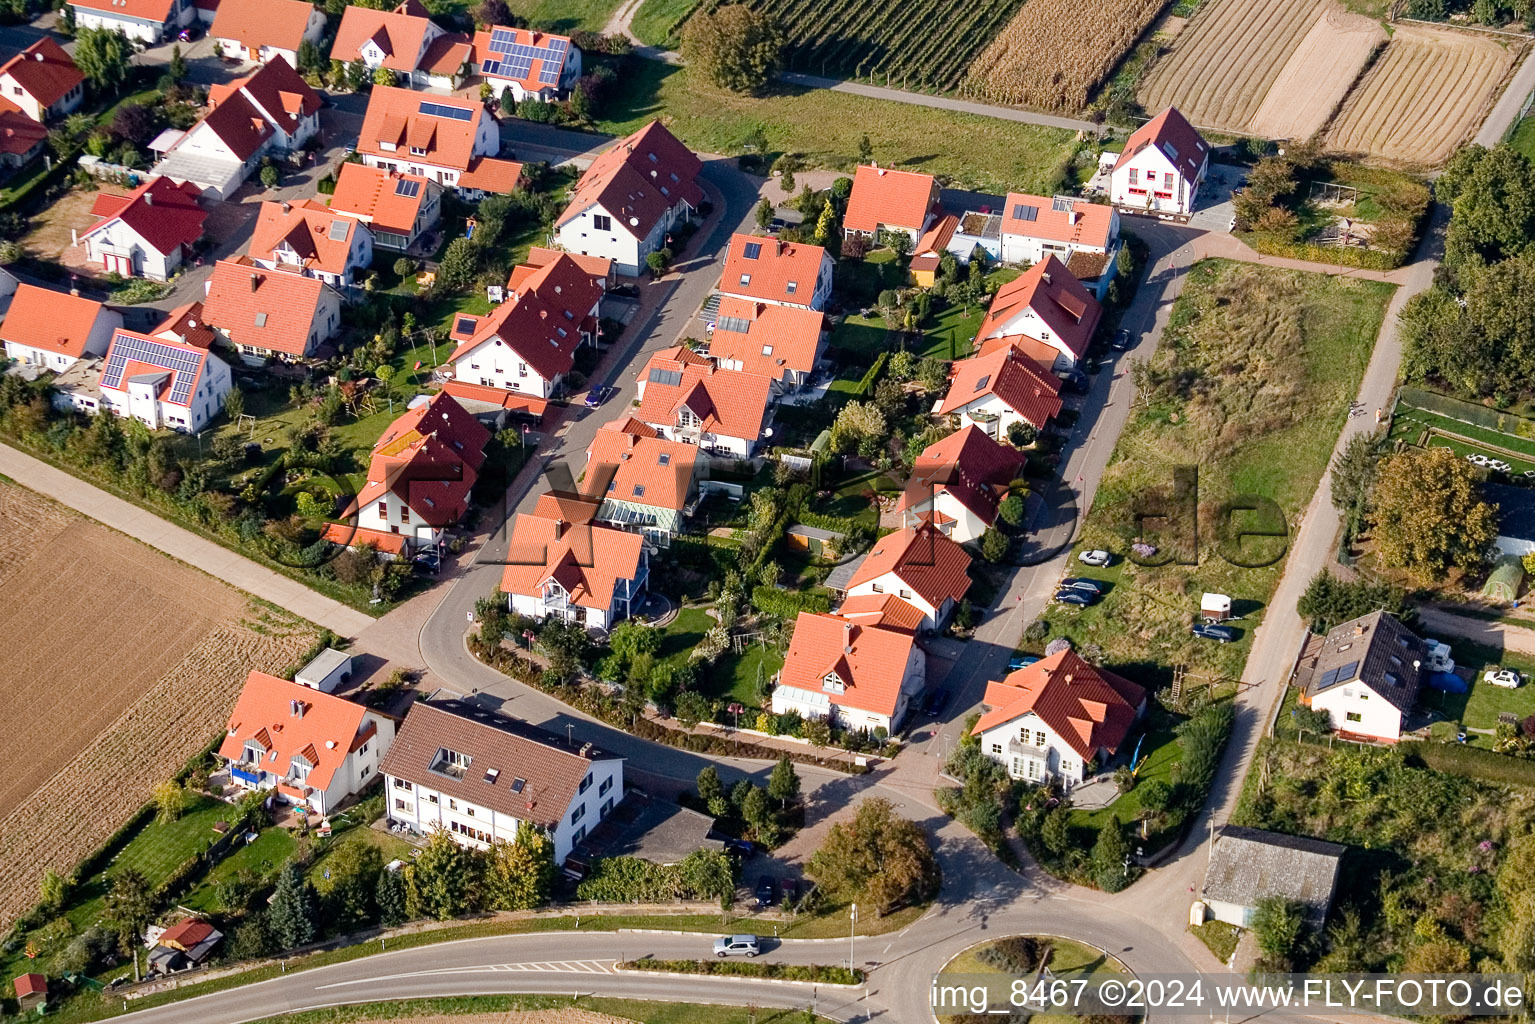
(832, 683)
(253, 753)
(450, 762)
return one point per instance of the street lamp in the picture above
(852, 930)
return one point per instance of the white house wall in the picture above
(1053, 758)
(891, 584)
(1376, 716)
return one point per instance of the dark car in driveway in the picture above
(1080, 598)
(1122, 340)
(1210, 631)
(767, 892)
(596, 396)
(1081, 583)
(935, 702)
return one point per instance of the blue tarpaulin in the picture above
(1449, 682)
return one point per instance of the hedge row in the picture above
(750, 969)
(787, 604)
(631, 880)
(871, 376)
(1473, 762)
(837, 524)
(1343, 256)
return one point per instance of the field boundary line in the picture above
(1457, 27)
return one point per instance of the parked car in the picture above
(1081, 598)
(1122, 340)
(596, 396)
(1081, 583)
(1078, 382)
(737, 945)
(1019, 660)
(767, 892)
(1210, 631)
(1507, 677)
(935, 702)
(428, 561)
(1095, 556)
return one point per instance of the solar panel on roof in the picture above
(1348, 671)
(125, 349)
(466, 325)
(490, 67)
(502, 38)
(1022, 212)
(734, 324)
(549, 75)
(517, 67)
(752, 250)
(559, 45)
(670, 378)
(338, 230)
(442, 110)
(407, 188)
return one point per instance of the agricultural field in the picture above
(922, 44)
(1084, 40)
(1279, 71)
(1424, 96)
(130, 662)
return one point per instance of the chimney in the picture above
(1073, 216)
(255, 281)
(847, 638)
(559, 528)
(300, 705)
(149, 198)
(1045, 277)
(287, 207)
(586, 748)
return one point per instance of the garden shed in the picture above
(1249, 864)
(1504, 582)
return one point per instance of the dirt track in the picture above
(1317, 76)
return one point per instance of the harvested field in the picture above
(1317, 76)
(1278, 71)
(1424, 96)
(1085, 40)
(123, 664)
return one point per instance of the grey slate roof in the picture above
(1375, 650)
(842, 575)
(1248, 864)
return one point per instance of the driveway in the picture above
(1503, 636)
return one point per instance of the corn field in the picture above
(1056, 52)
(925, 45)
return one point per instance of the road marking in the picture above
(531, 967)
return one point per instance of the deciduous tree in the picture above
(878, 859)
(1429, 514)
(441, 882)
(102, 57)
(129, 906)
(351, 891)
(733, 47)
(520, 875)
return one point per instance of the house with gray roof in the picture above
(1365, 674)
(1250, 864)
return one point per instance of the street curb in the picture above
(734, 977)
(668, 931)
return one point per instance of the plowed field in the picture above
(1424, 96)
(119, 664)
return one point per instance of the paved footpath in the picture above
(216, 561)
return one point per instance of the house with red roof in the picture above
(598, 268)
(272, 111)
(889, 200)
(405, 40)
(529, 63)
(258, 30)
(420, 475)
(629, 199)
(528, 343)
(52, 329)
(781, 343)
(919, 565)
(1046, 312)
(958, 482)
(397, 207)
(998, 388)
(21, 138)
(1161, 167)
(270, 314)
(1058, 719)
(562, 562)
(449, 139)
(43, 81)
(855, 674)
(148, 233)
(644, 481)
(147, 21)
(313, 749)
(167, 378)
(689, 399)
(760, 268)
(183, 945)
(1082, 235)
(307, 238)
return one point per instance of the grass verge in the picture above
(488, 1009)
(1219, 937)
(750, 969)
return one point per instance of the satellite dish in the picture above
(634, 222)
(768, 432)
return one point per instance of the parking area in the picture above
(1215, 208)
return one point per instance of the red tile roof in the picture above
(1028, 388)
(729, 402)
(1068, 309)
(19, 134)
(237, 122)
(267, 714)
(398, 34)
(349, 535)
(932, 565)
(50, 321)
(894, 198)
(144, 10)
(186, 325)
(31, 984)
(44, 70)
(935, 241)
(586, 561)
(869, 661)
(530, 79)
(394, 116)
(372, 194)
(263, 308)
(629, 461)
(307, 227)
(429, 458)
(446, 55)
(279, 24)
(600, 268)
(492, 174)
(188, 933)
(163, 213)
(543, 322)
(968, 464)
(513, 400)
(1090, 708)
(1178, 140)
(278, 89)
(883, 610)
(638, 179)
(1080, 223)
(777, 338)
(778, 272)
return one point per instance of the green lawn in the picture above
(864, 335)
(1220, 937)
(262, 858)
(1479, 709)
(950, 332)
(1254, 379)
(1409, 419)
(825, 127)
(1523, 137)
(658, 22)
(733, 677)
(565, 16)
(859, 282)
(1160, 751)
(155, 851)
